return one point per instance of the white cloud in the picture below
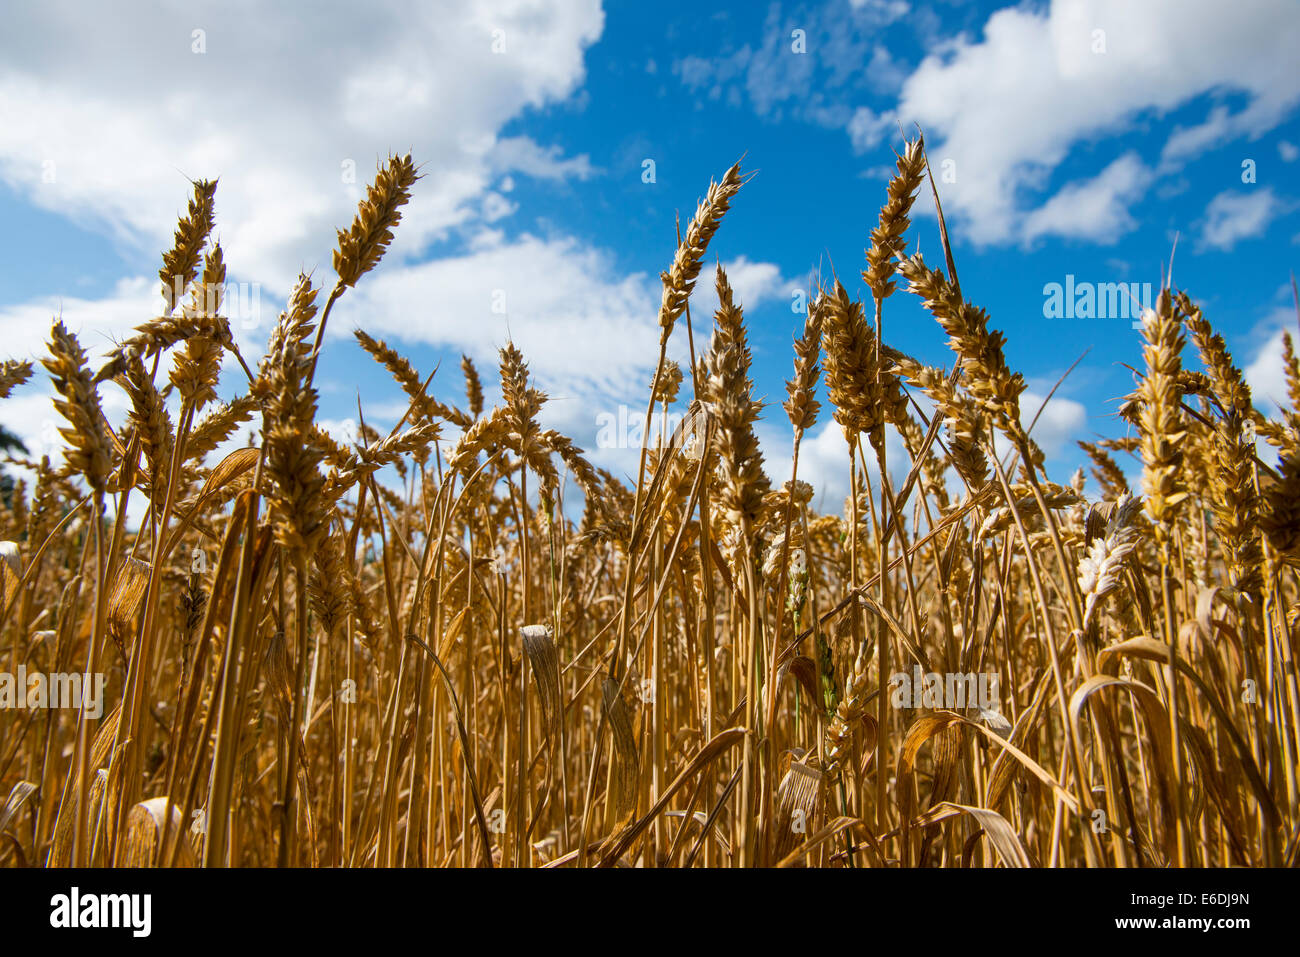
(694, 71)
(867, 128)
(561, 302)
(278, 122)
(282, 124)
(588, 334)
(1288, 151)
(496, 206)
(884, 9)
(1061, 421)
(824, 455)
(817, 75)
(1266, 373)
(1009, 107)
(887, 74)
(1094, 209)
(823, 461)
(522, 154)
(98, 325)
(1187, 142)
(1234, 215)
(824, 458)
(753, 283)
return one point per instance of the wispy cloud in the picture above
(814, 62)
(1234, 215)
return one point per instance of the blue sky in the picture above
(1070, 138)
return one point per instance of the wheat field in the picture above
(461, 644)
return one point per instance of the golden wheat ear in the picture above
(1160, 417)
(679, 279)
(364, 243)
(1280, 520)
(90, 449)
(292, 457)
(1235, 502)
(13, 373)
(802, 406)
(727, 393)
(423, 404)
(473, 387)
(181, 262)
(887, 243)
(151, 422)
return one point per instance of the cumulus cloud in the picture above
(1095, 209)
(560, 301)
(240, 110)
(753, 283)
(293, 129)
(1008, 107)
(98, 323)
